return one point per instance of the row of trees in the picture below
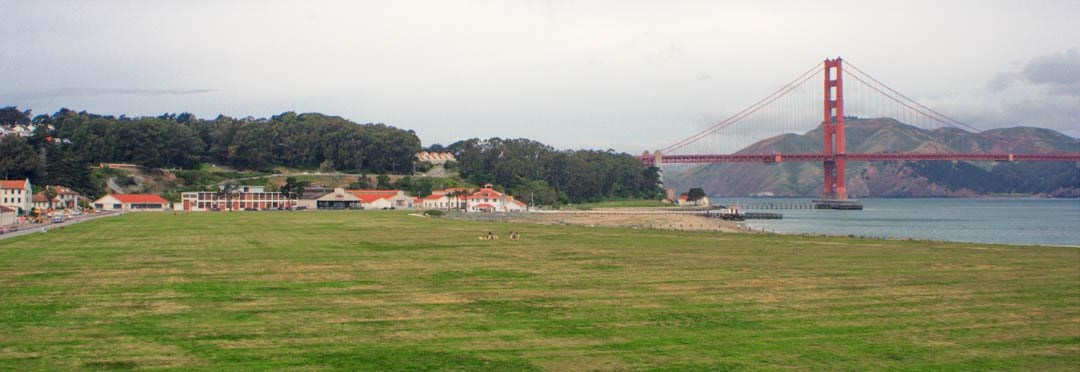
(532, 170)
(66, 142)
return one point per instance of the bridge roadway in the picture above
(818, 157)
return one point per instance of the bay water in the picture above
(982, 220)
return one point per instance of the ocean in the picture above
(981, 220)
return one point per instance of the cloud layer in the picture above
(629, 75)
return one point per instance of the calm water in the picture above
(1009, 221)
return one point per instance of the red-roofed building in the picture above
(366, 199)
(446, 198)
(489, 200)
(16, 194)
(131, 202)
(383, 199)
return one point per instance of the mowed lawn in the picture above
(385, 290)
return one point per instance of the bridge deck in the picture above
(818, 157)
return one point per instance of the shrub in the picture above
(434, 213)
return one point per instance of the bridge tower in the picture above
(833, 125)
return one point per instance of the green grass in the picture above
(385, 291)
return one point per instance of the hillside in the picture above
(897, 179)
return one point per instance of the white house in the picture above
(384, 199)
(64, 198)
(339, 199)
(131, 202)
(489, 200)
(16, 194)
(8, 216)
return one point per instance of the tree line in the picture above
(65, 143)
(532, 170)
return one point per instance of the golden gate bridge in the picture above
(786, 111)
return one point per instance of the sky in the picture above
(624, 75)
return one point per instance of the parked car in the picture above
(58, 219)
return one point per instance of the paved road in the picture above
(25, 229)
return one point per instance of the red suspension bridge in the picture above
(790, 109)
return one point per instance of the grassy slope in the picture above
(373, 290)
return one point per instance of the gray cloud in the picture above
(1002, 81)
(629, 74)
(1060, 71)
(91, 92)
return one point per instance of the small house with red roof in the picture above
(384, 199)
(131, 203)
(16, 194)
(489, 200)
(8, 216)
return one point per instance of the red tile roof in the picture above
(12, 184)
(370, 198)
(485, 206)
(139, 198)
(485, 193)
(7, 210)
(434, 197)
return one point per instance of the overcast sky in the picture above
(628, 75)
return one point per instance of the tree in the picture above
(17, 158)
(695, 194)
(293, 189)
(382, 182)
(11, 116)
(226, 192)
(49, 193)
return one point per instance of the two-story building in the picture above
(17, 195)
(64, 198)
(243, 197)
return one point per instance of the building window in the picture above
(117, 206)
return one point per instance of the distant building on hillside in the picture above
(435, 157)
(16, 194)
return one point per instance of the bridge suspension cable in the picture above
(812, 72)
(904, 100)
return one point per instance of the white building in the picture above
(65, 198)
(131, 203)
(435, 157)
(8, 216)
(338, 199)
(384, 199)
(244, 197)
(16, 194)
(453, 198)
(489, 200)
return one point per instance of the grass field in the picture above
(370, 290)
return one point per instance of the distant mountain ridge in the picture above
(897, 179)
